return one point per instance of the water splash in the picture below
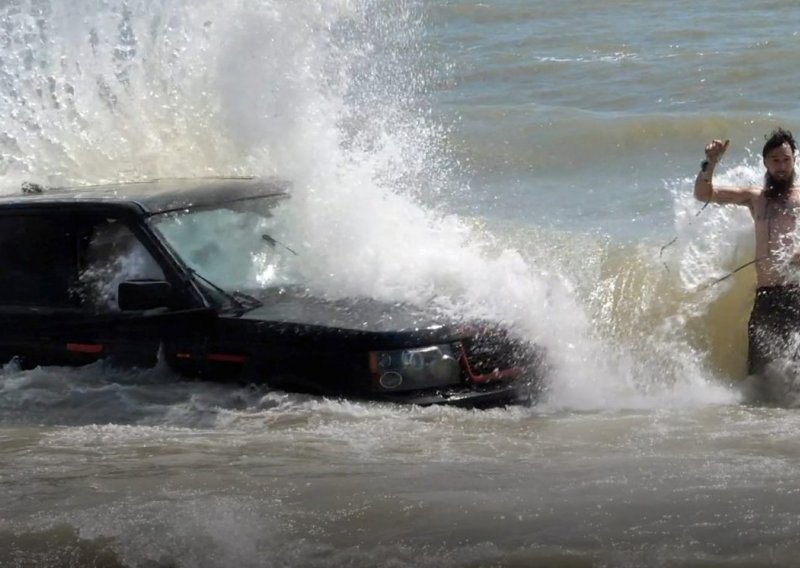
(677, 311)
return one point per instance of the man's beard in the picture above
(777, 188)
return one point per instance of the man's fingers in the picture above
(717, 148)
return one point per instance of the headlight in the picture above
(409, 369)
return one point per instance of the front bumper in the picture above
(483, 396)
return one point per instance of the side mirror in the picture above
(143, 294)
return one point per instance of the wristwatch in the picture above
(704, 167)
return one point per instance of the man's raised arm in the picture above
(704, 189)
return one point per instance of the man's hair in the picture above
(778, 138)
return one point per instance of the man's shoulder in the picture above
(758, 197)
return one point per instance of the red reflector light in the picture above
(227, 357)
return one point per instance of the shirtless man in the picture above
(774, 208)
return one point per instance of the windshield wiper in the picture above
(272, 241)
(235, 297)
(252, 300)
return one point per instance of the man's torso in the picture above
(776, 238)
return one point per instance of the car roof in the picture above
(159, 195)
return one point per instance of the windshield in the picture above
(234, 249)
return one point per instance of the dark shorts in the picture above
(773, 327)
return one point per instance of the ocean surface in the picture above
(522, 160)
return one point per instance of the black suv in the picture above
(133, 272)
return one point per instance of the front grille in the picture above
(493, 351)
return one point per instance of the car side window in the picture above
(113, 254)
(38, 261)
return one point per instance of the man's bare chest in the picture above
(774, 211)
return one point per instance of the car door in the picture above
(60, 272)
(38, 261)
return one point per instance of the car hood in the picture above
(355, 314)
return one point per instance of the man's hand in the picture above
(715, 150)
